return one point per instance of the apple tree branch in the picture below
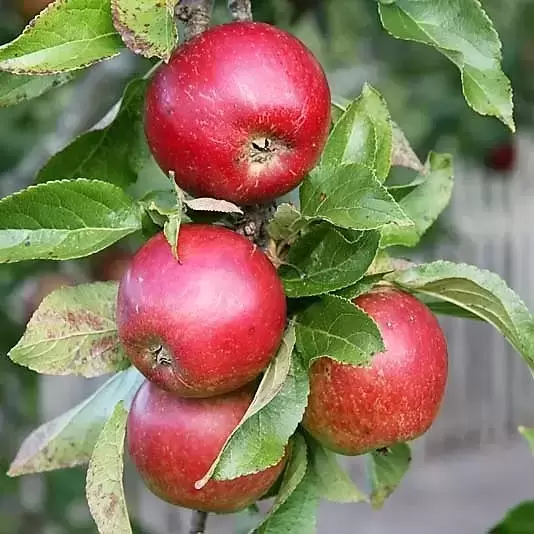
(240, 9)
(195, 15)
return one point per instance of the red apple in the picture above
(173, 441)
(353, 410)
(29, 8)
(208, 323)
(502, 157)
(239, 113)
(111, 264)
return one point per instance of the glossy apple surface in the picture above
(208, 323)
(240, 113)
(353, 410)
(173, 441)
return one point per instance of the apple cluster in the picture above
(242, 113)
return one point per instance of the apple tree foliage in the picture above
(332, 247)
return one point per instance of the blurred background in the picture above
(471, 466)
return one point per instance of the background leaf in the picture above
(64, 220)
(104, 488)
(66, 35)
(479, 292)
(260, 439)
(327, 258)
(462, 32)
(386, 468)
(17, 88)
(528, 433)
(349, 196)
(423, 204)
(73, 332)
(362, 135)
(68, 440)
(336, 328)
(147, 27)
(114, 154)
(518, 520)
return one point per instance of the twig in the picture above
(198, 522)
(195, 14)
(240, 9)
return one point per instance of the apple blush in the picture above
(206, 323)
(353, 410)
(239, 113)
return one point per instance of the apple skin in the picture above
(219, 313)
(28, 9)
(224, 95)
(111, 265)
(502, 158)
(353, 410)
(173, 441)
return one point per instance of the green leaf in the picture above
(294, 472)
(386, 468)
(64, 220)
(295, 508)
(518, 520)
(286, 223)
(335, 328)
(424, 204)
(114, 154)
(360, 287)
(68, 440)
(66, 35)
(15, 89)
(528, 433)
(441, 307)
(399, 191)
(349, 196)
(260, 439)
(147, 27)
(327, 258)
(332, 482)
(480, 292)
(362, 135)
(462, 32)
(73, 332)
(171, 227)
(104, 487)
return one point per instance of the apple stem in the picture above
(198, 522)
(254, 223)
(240, 9)
(196, 16)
